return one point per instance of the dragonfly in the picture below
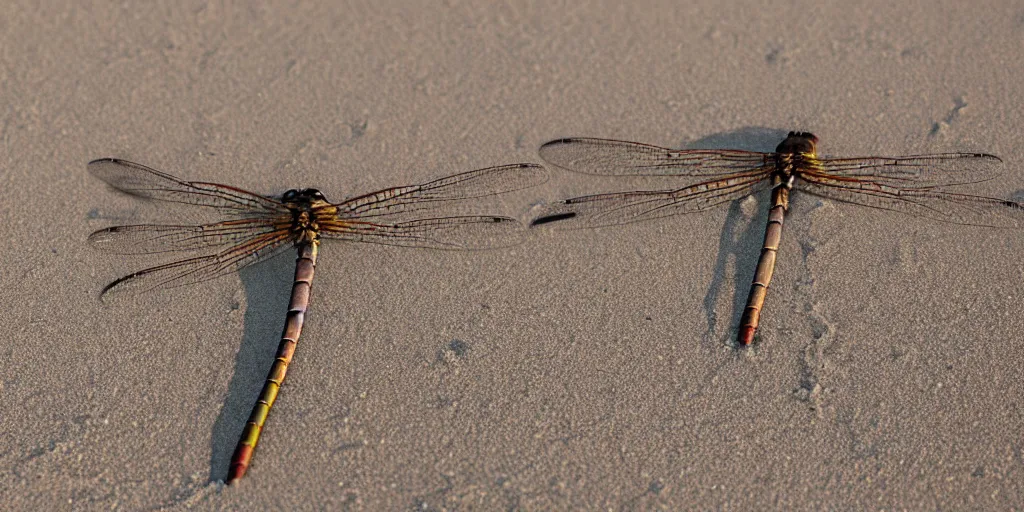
(252, 227)
(928, 186)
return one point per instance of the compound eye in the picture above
(289, 195)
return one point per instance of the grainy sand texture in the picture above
(590, 369)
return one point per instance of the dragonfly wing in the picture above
(622, 158)
(159, 238)
(438, 196)
(433, 214)
(462, 232)
(913, 172)
(956, 208)
(202, 268)
(626, 207)
(139, 180)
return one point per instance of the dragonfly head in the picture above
(306, 195)
(798, 143)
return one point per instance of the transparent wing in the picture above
(461, 232)
(622, 158)
(917, 171)
(625, 207)
(160, 238)
(427, 215)
(929, 202)
(139, 180)
(433, 198)
(202, 268)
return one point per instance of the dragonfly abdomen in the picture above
(766, 263)
(305, 265)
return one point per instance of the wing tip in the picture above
(109, 293)
(539, 171)
(563, 140)
(100, 166)
(552, 218)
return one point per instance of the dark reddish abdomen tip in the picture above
(746, 335)
(239, 463)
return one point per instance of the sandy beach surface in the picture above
(581, 370)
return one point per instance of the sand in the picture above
(584, 370)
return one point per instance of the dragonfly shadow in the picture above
(267, 290)
(738, 238)
(741, 236)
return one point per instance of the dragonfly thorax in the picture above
(307, 208)
(794, 154)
